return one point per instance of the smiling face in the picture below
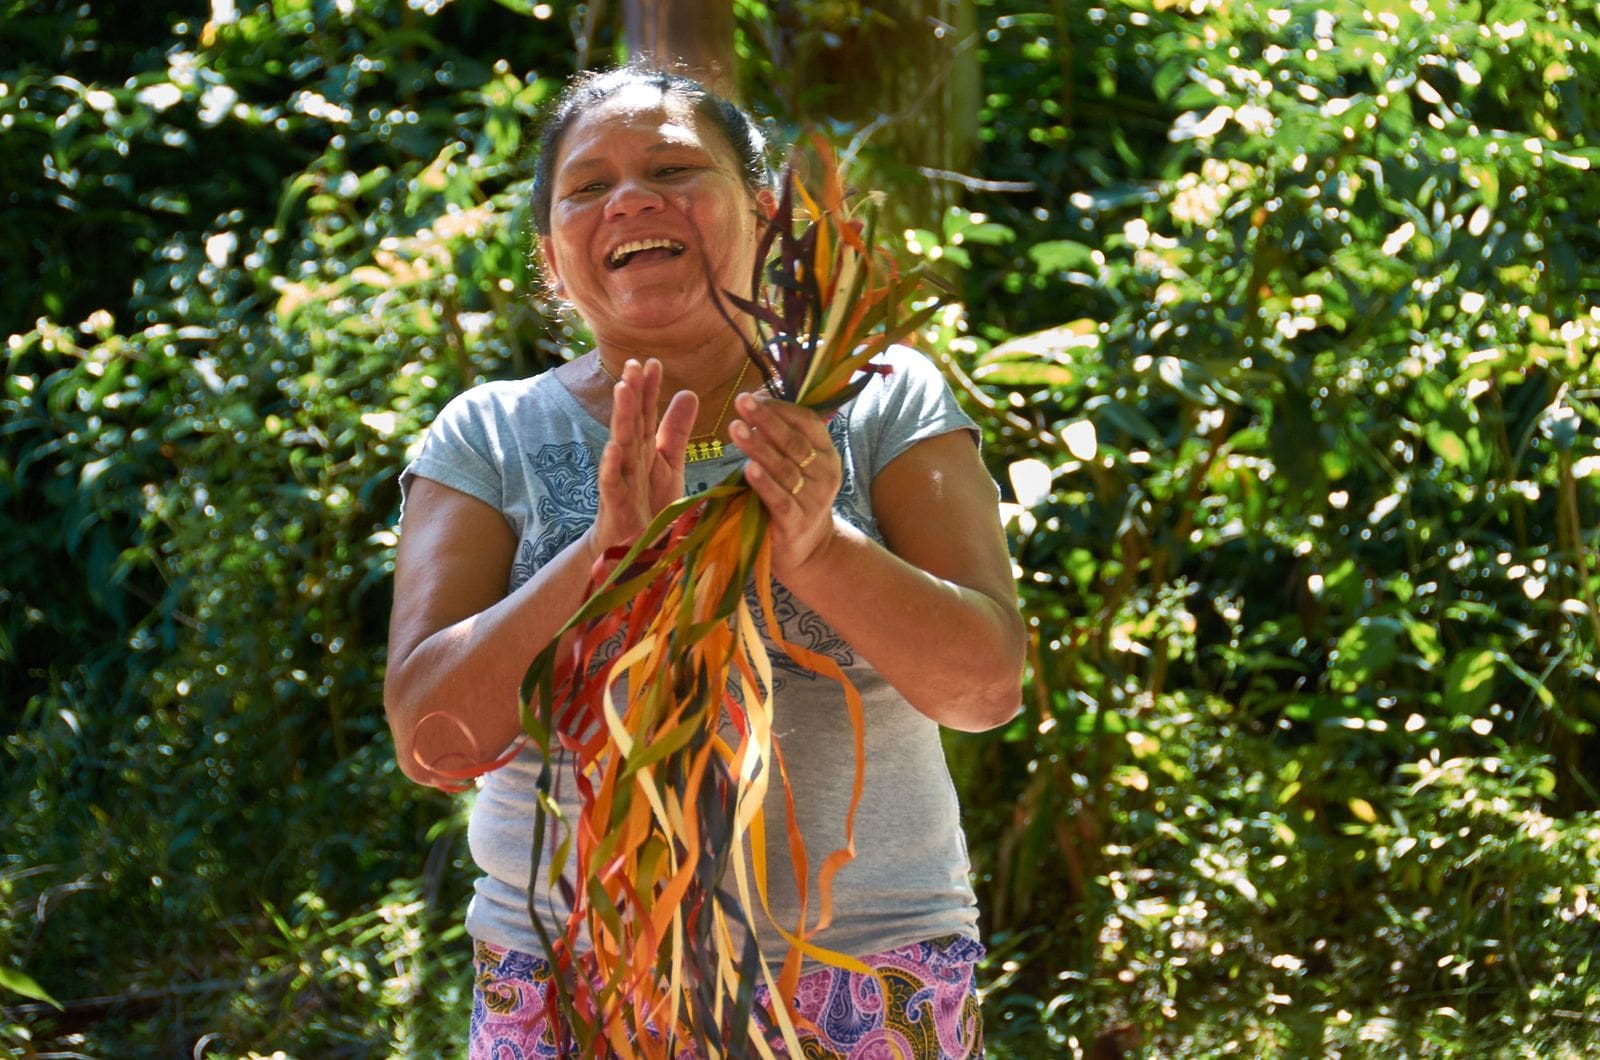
(645, 196)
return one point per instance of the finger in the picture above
(636, 430)
(672, 436)
(758, 432)
(792, 431)
(610, 474)
(777, 479)
(783, 469)
(622, 404)
(625, 411)
(649, 392)
(645, 381)
(756, 446)
(612, 490)
(781, 498)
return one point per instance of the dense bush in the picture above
(1308, 475)
(1287, 359)
(199, 482)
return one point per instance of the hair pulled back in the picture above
(588, 89)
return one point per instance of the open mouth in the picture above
(643, 250)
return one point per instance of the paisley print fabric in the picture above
(564, 512)
(930, 1012)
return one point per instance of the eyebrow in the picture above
(660, 147)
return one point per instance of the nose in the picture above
(632, 195)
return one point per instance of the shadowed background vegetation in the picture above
(1282, 321)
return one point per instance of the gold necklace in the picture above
(701, 446)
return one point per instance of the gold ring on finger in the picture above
(799, 485)
(807, 461)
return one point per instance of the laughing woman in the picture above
(887, 556)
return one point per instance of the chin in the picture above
(682, 315)
(655, 321)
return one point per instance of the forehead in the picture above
(637, 118)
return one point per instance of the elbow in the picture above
(993, 695)
(413, 770)
(1008, 704)
(999, 700)
(402, 731)
(993, 706)
(405, 755)
(969, 701)
(449, 755)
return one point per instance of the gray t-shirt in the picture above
(529, 450)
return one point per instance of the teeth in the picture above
(622, 253)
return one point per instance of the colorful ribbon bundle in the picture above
(673, 737)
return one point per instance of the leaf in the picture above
(18, 981)
(1168, 77)
(988, 233)
(1448, 444)
(1560, 423)
(372, 276)
(521, 7)
(1060, 255)
(1425, 637)
(1052, 344)
(1363, 809)
(1469, 682)
(1125, 417)
(1043, 358)
(1117, 197)
(1365, 650)
(1193, 381)
(1024, 373)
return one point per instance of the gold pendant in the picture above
(709, 449)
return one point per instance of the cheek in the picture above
(567, 219)
(568, 243)
(740, 228)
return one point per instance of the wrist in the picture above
(821, 560)
(589, 548)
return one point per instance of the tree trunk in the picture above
(689, 37)
(902, 75)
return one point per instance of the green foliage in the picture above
(202, 477)
(1287, 360)
(1304, 495)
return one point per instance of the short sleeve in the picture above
(459, 451)
(911, 404)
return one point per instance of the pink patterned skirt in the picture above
(931, 1012)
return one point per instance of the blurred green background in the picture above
(1281, 318)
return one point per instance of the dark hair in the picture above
(587, 89)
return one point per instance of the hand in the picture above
(641, 469)
(796, 472)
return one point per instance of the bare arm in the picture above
(935, 612)
(459, 646)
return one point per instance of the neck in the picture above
(713, 372)
(704, 368)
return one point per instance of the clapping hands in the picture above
(641, 469)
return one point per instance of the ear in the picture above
(552, 269)
(766, 204)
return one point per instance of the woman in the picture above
(887, 556)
